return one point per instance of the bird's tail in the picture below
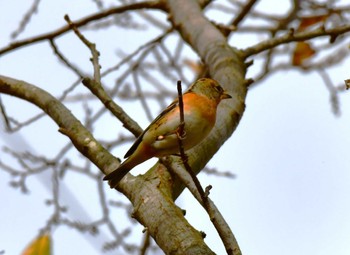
(142, 153)
(114, 177)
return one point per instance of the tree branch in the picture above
(82, 22)
(154, 208)
(245, 10)
(97, 89)
(68, 124)
(295, 37)
(92, 47)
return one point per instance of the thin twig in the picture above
(145, 243)
(83, 22)
(4, 116)
(147, 46)
(141, 95)
(59, 54)
(26, 19)
(333, 93)
(96, 88)
(91, 46)
(245, 10)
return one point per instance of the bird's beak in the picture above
(225, 95)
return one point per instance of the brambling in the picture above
(160, 138)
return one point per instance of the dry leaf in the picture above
(310, 21)
(347, 84)
(302, 51)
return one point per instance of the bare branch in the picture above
(82, 22)
(4, 116)
(245, 10)
(69, 125)
(141, 95)
(92, 48)
(145, 244)
(146, 46)
(294, 37)
(220, 224)
(65, 60)
(97, 89)
(333, 93)
(26, 19)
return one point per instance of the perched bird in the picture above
(160, 138)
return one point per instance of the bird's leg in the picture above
(181, 132)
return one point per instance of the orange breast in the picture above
(201, 106)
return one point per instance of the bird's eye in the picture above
(219, 89)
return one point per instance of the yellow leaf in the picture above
(302, 52)
(40, 246)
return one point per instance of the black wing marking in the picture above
(135, 145)
(139, 139)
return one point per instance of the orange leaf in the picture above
(312, 20)
(302, 52)
(40, 246)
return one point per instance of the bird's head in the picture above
(209, 88)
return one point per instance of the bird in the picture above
(160, 138)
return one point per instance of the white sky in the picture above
(290, 155)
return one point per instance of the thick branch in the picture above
(154, 208)
(68, 124)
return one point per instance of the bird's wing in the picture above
(160, 116)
